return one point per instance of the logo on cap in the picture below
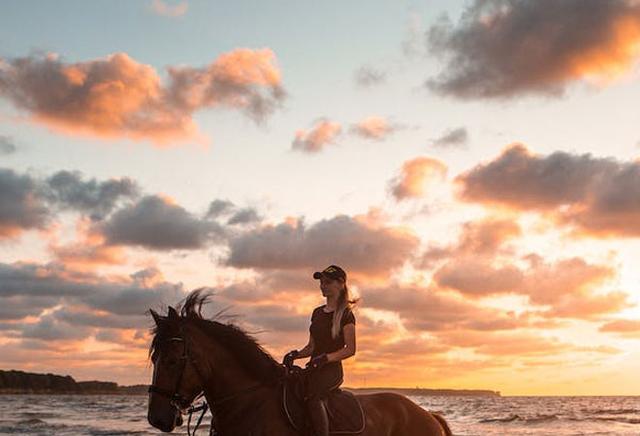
(332, 271)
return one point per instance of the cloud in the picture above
(98, 199)
(452, 138)
(234, 215)
(598, 196)
(475, 277)
(89, 249)
(35, 287)
(7, 146)
(367, 76)
(20, 206)
(426, 309)
(243, 79)
(374, 127)
(118, 97)
(567, 286)
(50, 329)
(219, 207)
(506, 48)
(505, 343)
(155, 223)
(626, 328)
(415, 175)
(247, 215)
(161, 7)
(484, 237)
(358, 246)
(16, 307)
(322, 133)
(28, 203)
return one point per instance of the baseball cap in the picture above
(332, 271)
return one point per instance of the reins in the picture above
(178, 400)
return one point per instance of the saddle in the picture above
(346, 416)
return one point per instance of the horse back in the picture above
(392, 414)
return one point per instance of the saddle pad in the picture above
(346, 416)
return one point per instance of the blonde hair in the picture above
(344, 301)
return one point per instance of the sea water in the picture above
(467, 416)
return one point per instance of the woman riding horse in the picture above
(332, 339)
(243, 383)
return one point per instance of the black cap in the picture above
(332, 271)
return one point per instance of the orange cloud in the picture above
(595, 196)
(628, 328)
(162, 8)
(504, 343)
(89, 251)
(374, 127)
(415, 175)
(502, 49)
(324, 132)
(568, 286)
(118, 97)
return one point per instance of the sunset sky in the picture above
(472, 165)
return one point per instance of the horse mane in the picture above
(250, 355)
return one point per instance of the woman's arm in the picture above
(307, 350)
(349, 345)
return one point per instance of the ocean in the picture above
(478, 416)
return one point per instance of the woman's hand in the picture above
(289, 358)
(318, 361)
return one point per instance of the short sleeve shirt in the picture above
(320, 330)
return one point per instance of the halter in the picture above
(174, 396)
(178, 400)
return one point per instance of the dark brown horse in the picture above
(239, 378)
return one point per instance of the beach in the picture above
(468, 416)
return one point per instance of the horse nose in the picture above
(161, 422)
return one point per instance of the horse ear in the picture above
(172, 313)
(155, 316)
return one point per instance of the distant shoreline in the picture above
(13, 382)
(427, 391)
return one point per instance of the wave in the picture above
(113, 432)
(32, 422)
(515, 417)
(37, 415)
(612, 411)
(616, 419)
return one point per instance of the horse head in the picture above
(175, 383)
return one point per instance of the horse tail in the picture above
(443, 423)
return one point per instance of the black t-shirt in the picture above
(320, 329)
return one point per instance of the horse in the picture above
(241, 381)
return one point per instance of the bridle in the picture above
(179, 402)
(174, 396)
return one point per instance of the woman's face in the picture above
(330, 287)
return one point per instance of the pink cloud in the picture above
(504, 49)
(118, 97)
(322, 133)
(161, 7)
(594, 196)
(374, 127)
(415, 175)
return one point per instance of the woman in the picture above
(332, 339)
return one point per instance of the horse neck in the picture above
(219, 370)
(223, 377)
